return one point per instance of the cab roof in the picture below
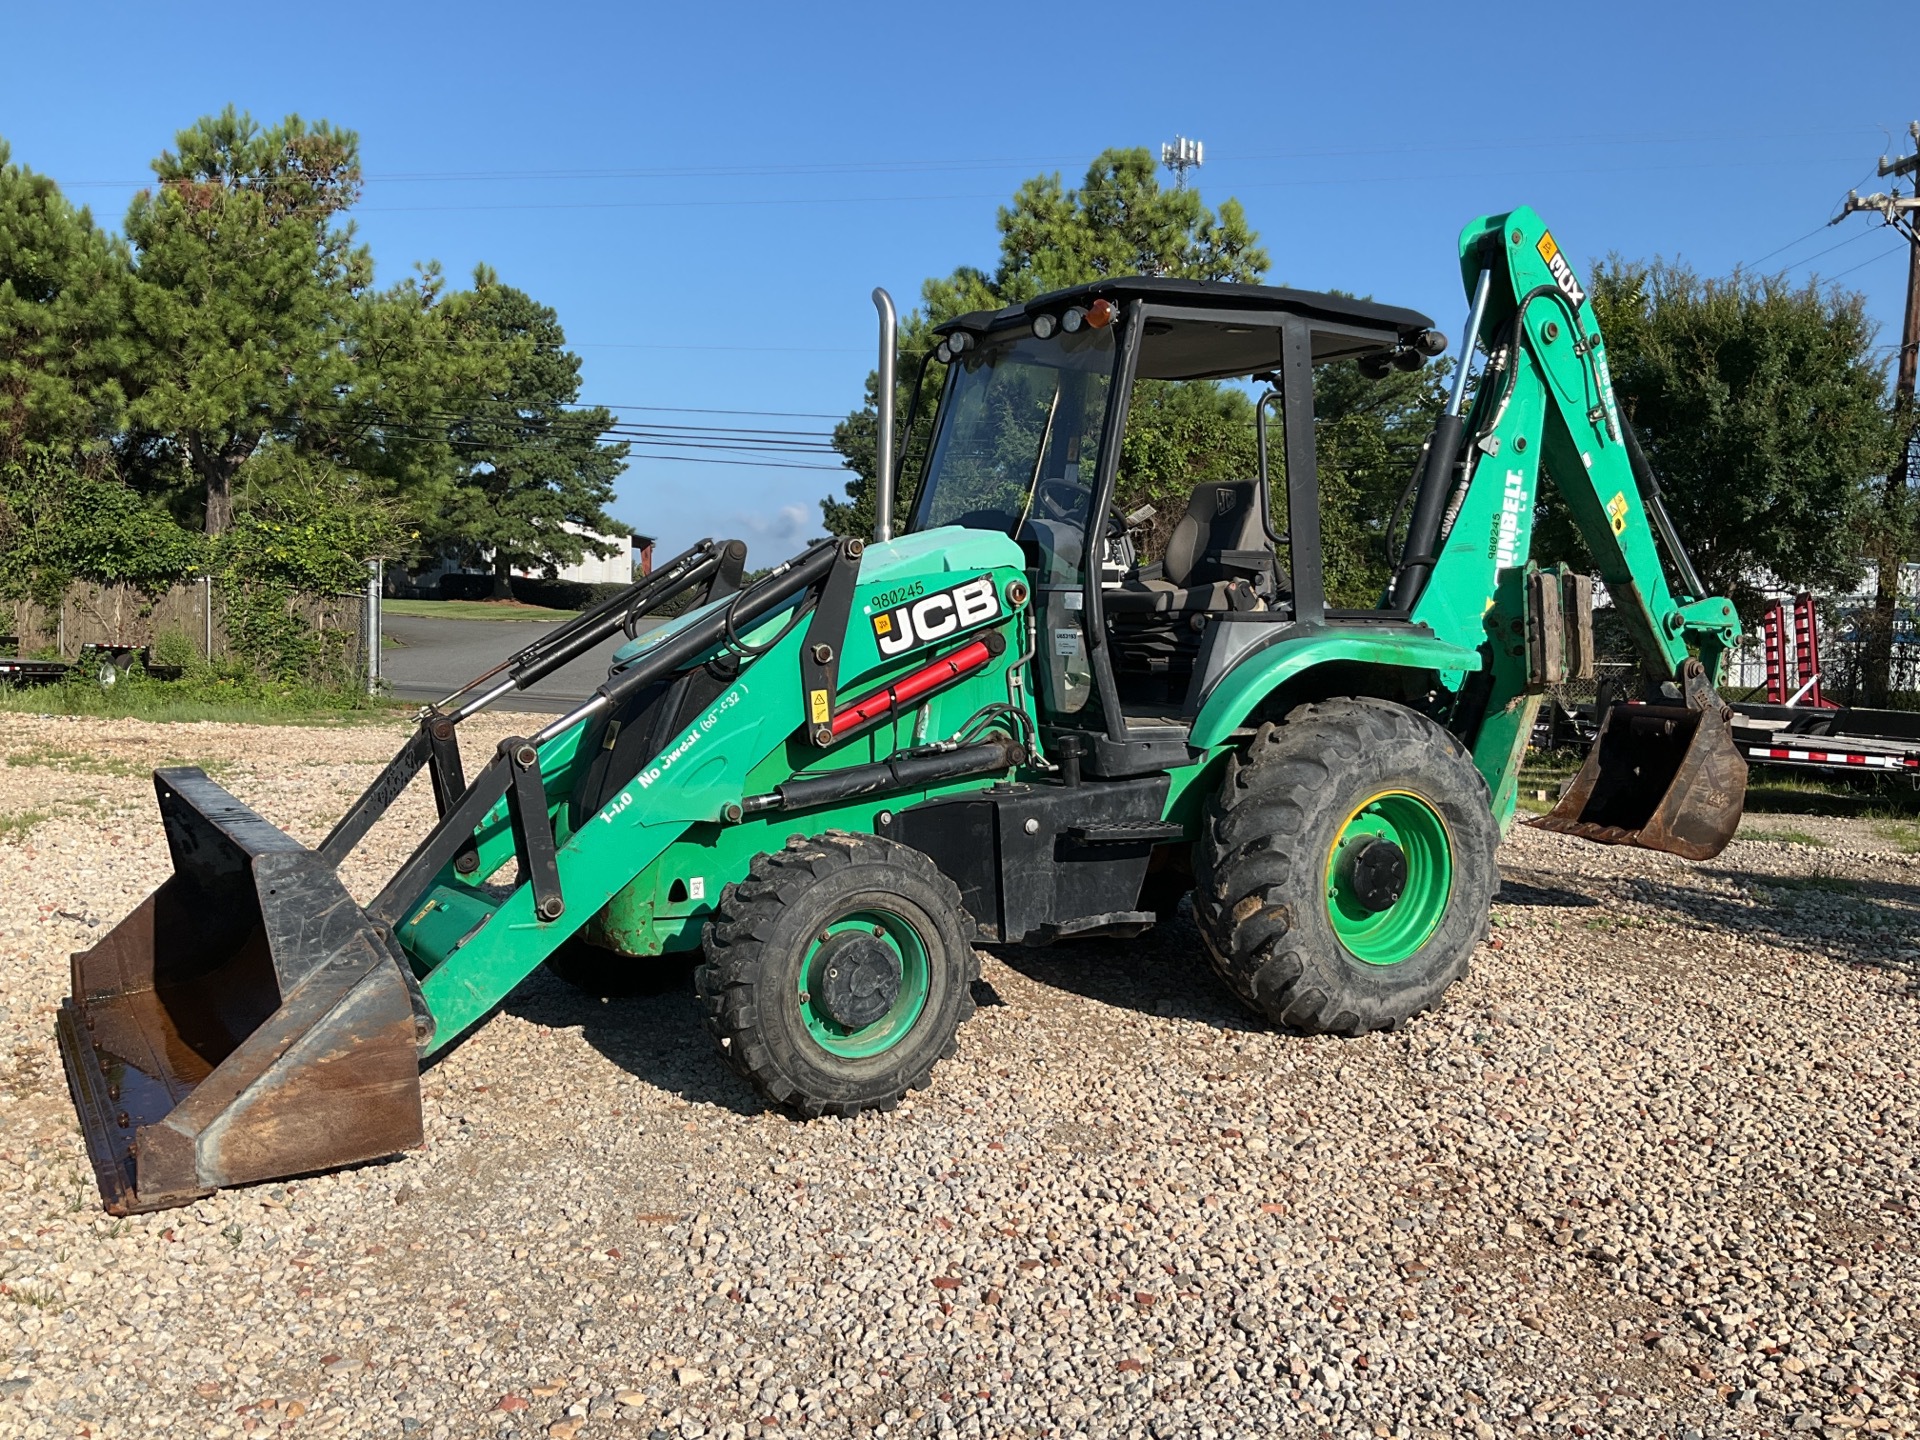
(1203, 328)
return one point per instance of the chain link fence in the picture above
(193, 619)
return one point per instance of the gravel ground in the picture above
(1649, 1171)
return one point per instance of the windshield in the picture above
(1019, 417)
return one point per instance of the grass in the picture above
(203, 694)
(474, 610)
(1891, 803)
(21, 824)
(1770, 836)
(1617, 922)
(1821, 884)
(55, 758)
(1543, 773)
(1777, 792)
(1903, 833)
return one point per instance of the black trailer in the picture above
(1828, 739)
(17, 671)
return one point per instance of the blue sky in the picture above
(707, 193)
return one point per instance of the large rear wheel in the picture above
(1346, 869)
(837, 973)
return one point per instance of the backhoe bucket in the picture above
(247, 1021)
(1663, 777)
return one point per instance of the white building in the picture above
(592, 569)
(632, 556)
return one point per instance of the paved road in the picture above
(435, 656)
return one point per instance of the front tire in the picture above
(1346, 869)
(838, 973)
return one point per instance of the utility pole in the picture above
(1900, 212)
(1181, 155)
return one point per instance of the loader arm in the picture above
(1546, 397)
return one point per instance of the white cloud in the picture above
(772, 536)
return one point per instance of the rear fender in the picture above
(1245, 688)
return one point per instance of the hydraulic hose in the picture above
(1436, 470)
(1656, 504)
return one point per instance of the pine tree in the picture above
(245, 291)
(531, 462)
(64, 344)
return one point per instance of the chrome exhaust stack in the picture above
(883, 418)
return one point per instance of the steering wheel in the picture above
(1061, 500)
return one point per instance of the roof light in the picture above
(1100, 314)
(943, 353)
(1073, 319)
(1044, 326)
(960, 341)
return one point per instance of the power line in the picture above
(740, 349)
(780, 449)
(698, 410)
(732, 203)
(1744, 264)
(1809, 259)
(748, 464)
(654, 431)
(932, 165)
(1861, 266)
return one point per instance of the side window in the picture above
(1181, 435)
(1368, 436)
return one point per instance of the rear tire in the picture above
(1303, 931)
(838, 973)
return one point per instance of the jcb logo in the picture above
(936, 616)
(1562, 272)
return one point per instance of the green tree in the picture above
(1119, 222)
(1179, 435)
(64, 519)
(1762, 408)
(531, 461)
(414, 370)
(245, 294)
(64, 345)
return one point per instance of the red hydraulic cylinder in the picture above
(908, 688)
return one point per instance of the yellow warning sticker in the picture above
(1617, 512)
(819, 705)
(882, 624)
(1546, 247)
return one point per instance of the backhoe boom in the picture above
(1545, 397)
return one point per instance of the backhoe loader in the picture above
(995, 726)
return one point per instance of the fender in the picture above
(1260, 674)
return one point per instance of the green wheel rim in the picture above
(899, 936)
(1386, 937)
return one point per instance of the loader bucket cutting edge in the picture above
(246, 1022)
(1663, 777)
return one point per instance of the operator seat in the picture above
(1215, 549)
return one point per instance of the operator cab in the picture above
(1029, 439)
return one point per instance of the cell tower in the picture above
(1181, 155)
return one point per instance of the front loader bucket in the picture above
(1663, 777)
(247, 1021)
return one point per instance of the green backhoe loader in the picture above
(996, 726)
